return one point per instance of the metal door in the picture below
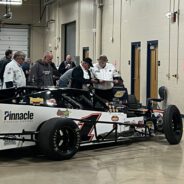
(70, 39)
(15, 38)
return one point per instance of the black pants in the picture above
(105, 94)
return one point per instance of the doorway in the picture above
(70, 39)
(85, 52)
(152, 69)
(135, 69)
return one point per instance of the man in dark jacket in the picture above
(41, 74)
(81, 76)
(66, 65)
(4, 61)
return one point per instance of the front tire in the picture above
(59, 139)
(172, 124)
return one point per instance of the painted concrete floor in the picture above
(147, 162)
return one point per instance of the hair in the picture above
(19, 53)
(47, 53)
(8, 52)
(87, 60)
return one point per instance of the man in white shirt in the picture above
(106, 75)
(13, 74)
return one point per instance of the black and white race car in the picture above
(59, 121)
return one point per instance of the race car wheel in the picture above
(59, 139)
(172, 124)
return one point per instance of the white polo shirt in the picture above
(107, 73)
(14, 73)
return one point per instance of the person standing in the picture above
(41, 74)
(106, 76)
(55, 72)
(13, 74)
(66, 65)
(81, 76)
(4, 61)
(26, 66)
(65, 79)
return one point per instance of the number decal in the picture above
(87, 127)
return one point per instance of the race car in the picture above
(60, 121)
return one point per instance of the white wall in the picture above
(144, 21)
(65, 12)
(123, 22)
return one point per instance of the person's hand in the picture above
(116, 81)
(27, 72)
(95, 81)
(67, 66)
(101, 81)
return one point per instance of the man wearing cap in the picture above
(81, 76)
(106, 75)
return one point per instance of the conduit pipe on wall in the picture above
(94, 30)
(79, 19)
(178, 40)
(169, 62)
(112, 34)
(99, 4)
(176, 13)
(120, 36)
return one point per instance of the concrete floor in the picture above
(147, 162)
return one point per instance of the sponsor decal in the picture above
(63, 114)
(149, 124)
(119, 94)
(51, 102)
(36, 101)
(9, 140)
(115, 118)
(9, 115)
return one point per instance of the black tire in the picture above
(163, 92)
(172, 124)
(59, 139)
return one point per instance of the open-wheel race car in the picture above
(59, 121)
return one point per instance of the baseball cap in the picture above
(89, 61)
(102, 58)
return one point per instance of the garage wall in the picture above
(64, 12)
(124, 22)
(141, 22)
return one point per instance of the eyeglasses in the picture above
(22, 58)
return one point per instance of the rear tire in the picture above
(172, 124)
(59, 139)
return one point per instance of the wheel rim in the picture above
(64, 140)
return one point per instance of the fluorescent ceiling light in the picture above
(11, 2)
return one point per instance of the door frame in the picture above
(149, 43)
(65, 36)
(133, 45)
